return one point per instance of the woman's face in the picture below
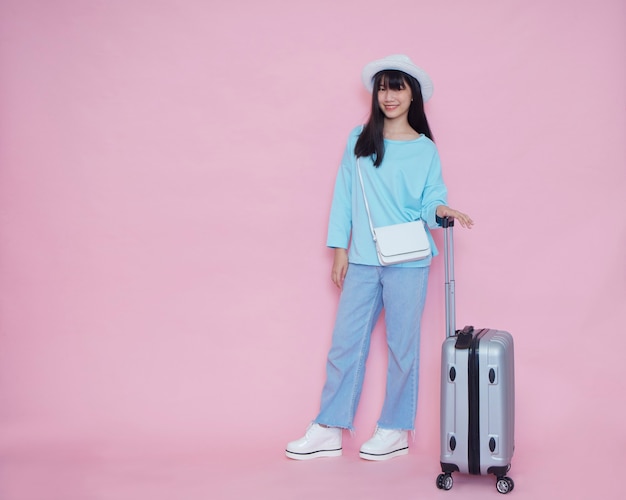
(394, 103)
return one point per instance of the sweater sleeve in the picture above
(340, 221)
(435, 192)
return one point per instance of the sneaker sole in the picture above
(313, 454)
(384, 456)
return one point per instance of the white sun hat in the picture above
(402, 63)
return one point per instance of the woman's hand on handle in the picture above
(464, 219)
(340, 267)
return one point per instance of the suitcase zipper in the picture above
(473, 369)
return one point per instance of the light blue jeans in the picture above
(366, 290)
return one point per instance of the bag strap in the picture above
(367, 207)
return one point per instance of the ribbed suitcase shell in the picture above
(478, 404)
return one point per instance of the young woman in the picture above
(402, 178)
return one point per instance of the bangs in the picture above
(392, 79)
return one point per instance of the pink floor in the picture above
(193, 472)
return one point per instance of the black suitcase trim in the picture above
(473, 368)
(449, 468)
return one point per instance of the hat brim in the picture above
(371, 69)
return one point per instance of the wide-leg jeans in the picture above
(401, 291)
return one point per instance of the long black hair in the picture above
(371, 142)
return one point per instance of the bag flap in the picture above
(399, 239)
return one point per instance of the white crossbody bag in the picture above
(397, 243)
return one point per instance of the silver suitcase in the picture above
(477, 394)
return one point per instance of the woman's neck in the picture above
(399, 131)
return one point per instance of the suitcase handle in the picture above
(448, 256)
(444, 221)
(464, 338)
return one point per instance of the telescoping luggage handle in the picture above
(447, 223)
(464, 336)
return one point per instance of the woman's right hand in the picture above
(340, 267)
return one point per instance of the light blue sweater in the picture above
(407, 186)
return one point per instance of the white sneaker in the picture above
(318, 442)
(385, 444)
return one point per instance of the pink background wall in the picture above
(166, 170)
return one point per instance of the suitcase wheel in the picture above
(504, 485)
(445, 481)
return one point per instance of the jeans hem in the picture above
(338, 426)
